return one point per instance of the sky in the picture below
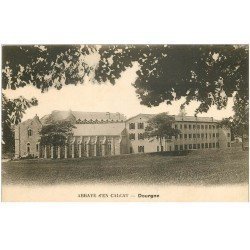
(91, 97)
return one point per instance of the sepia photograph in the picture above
(125, 122)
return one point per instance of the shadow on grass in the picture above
(206, 167)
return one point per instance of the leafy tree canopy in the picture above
(12, 113)
(57, 133)
(44, 66)
(14, 109)
(209, 74)
(160, 127)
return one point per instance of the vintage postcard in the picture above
(125, 122)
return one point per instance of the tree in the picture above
(160, 127)
(209, 74)
(56, 133)
(44, 66)
(12, 113)
(40, 66)
(239, 123)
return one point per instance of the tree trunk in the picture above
(161, 144)
(242, 137)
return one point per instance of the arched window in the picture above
(28, 148)
(29, 132)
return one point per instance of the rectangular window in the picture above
(210, 145)
(194, 135)
(194, 127)
(181, 147)
(190, 146)
(198, 126)
(185, 136)
(140, 136)
(213, 134)
(185, 126)
(186, 147)
(37, 147)
(194, 146)
(132, 136)
(205, 126)
(176, 147)
(190, 126)
(217, 145)
(190, 136)
(158, 148)
(198, 146)
(181, 136)
(217, 135)
(210, 135)
(141, 149)
(131, 125)
(202, 135)
(140, 125)
(213, 145)
(202, 145)
(198, 135)
(176, 126)
(180, 126)
(202, 126)
(206, 135)
(210, 126)
(206, 145)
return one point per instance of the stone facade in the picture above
(27, 138)
(101, 134)
(196, 133)
(95, 134)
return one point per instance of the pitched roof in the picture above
(107, 129)
(148, 116)
(57, 115)
(194, 119)
(98, 116)
(180, 118)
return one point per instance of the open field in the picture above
(208, 167)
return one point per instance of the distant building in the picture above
(100, 134)
(96, 134)
(196, 133)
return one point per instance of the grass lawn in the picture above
(207, 167)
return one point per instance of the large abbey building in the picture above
(101, 134)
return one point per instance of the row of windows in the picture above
(190, 136)
(188, 146)
(197, 146)
(194, 126)
(140, 125)
(140, 136)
